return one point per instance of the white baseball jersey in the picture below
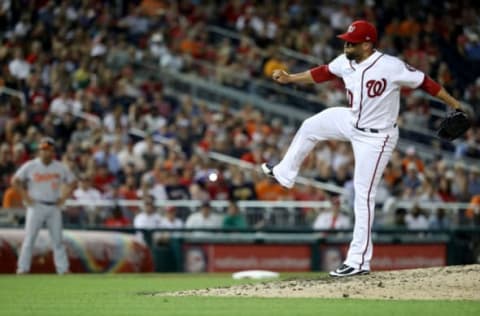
(373, 87)
(43, 181)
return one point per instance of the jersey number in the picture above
(375, 88)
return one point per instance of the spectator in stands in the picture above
(472, 214)
(445, 187)
(392, 176)
(428, 192)
(176, 190)
(468, 147)
(460, 183)
(128, 156)
(268, 189)
(416, 219)
(19, 67)
(149, 218)
(474, 181)
(399, 218)
(149, 151)
(116, 219)
(309, 192)
(129, 191)
(332, 218)
(204, 218)
(170, 219)
(69, 58)
(240, 188)
(31, 140)
(439, 220)
(412, 157)
(150, 186)
(12, 198)
(411, 181)
(234, 218)
(7, 167)
(413, 117)
(81, 133)
(103, 179)
(107, 156)
(87, 194)
(63, 104)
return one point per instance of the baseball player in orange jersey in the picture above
(372, 81)
(44, 184)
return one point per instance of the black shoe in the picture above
(345, 271)
(267, 170)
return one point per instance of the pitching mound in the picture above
(445, 283)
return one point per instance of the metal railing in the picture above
(302, 180)
(257, 213)
(284, 50)
(273, 214)
(180, 83)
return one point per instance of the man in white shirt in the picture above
(63, 104)
(19, 67)
(204, 218)
(416, 219)
(332, 218)
(170, 219)
(127, 156)
(85, 192)
(149, 218)
(148, 145)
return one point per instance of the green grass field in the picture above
(119, 294)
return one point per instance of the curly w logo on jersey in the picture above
(376, 87)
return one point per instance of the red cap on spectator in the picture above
(360, 31)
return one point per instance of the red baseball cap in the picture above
(360, 31)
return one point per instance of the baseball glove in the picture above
(453, 126)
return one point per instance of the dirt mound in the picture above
(445, 283)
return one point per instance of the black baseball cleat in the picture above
(345, 271)
(267, 170)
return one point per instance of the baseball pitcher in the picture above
(44, 184)
(373, 81)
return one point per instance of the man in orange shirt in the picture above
(12, 199)
(473, 210)
(412, 157)
(269, 190)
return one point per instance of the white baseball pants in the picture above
(36, 216)
(372, 151)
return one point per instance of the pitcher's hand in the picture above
(281, 76)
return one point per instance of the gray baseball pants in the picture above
(38, 214)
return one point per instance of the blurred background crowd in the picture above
(80, 67)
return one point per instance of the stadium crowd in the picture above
(78, 64)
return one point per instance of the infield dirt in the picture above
(444, 283)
